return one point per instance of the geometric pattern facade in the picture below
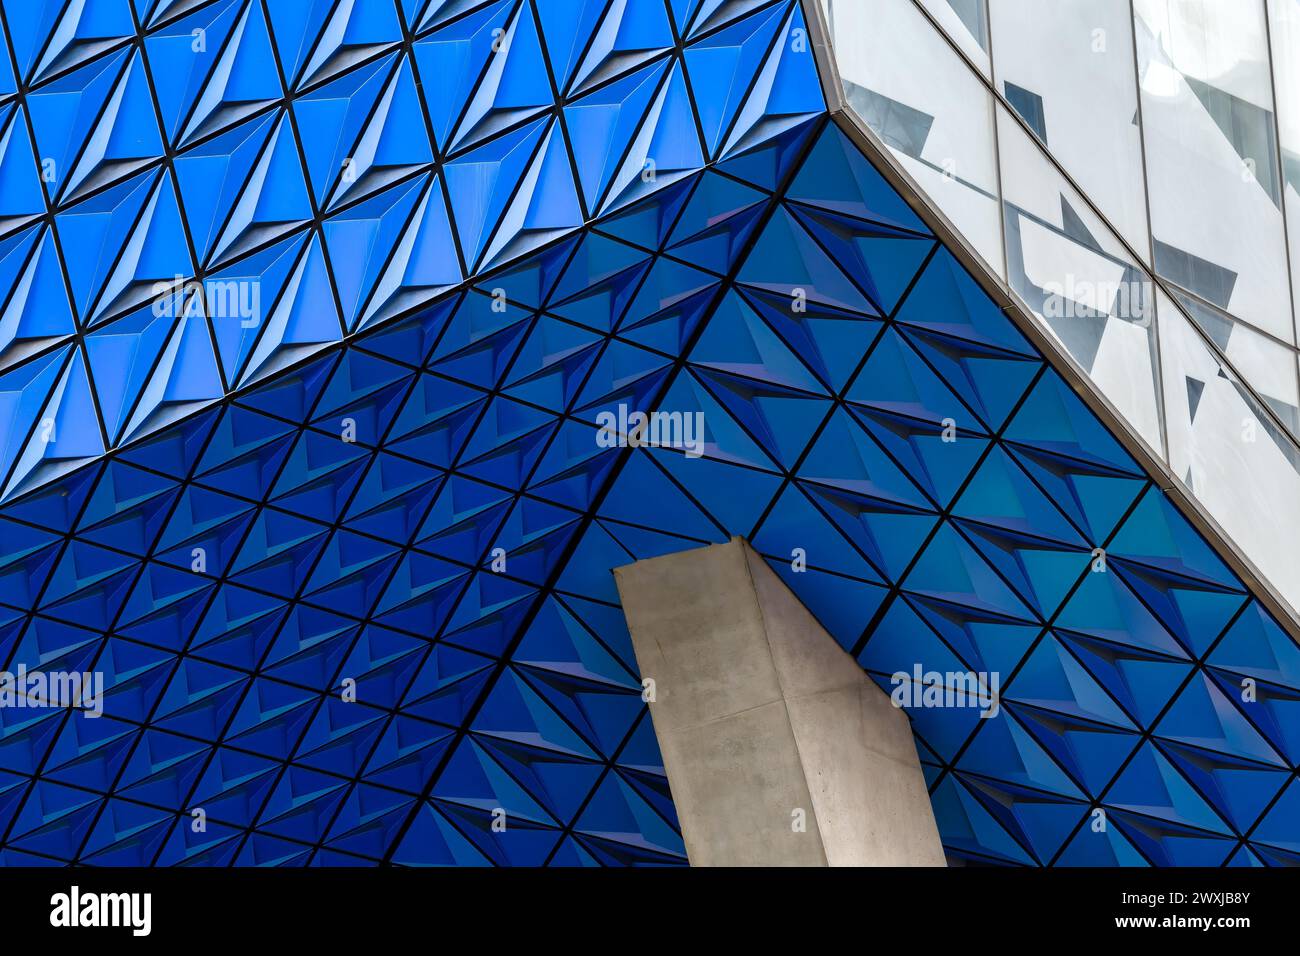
(472, 228)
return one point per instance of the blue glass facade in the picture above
(309, 313)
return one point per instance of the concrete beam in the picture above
(779, 750)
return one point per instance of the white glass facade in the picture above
(1084, 147)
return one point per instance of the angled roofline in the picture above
(996, 288)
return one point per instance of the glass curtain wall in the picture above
(1084, 147)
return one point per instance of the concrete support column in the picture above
(778, 749)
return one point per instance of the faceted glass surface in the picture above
(314, 318)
